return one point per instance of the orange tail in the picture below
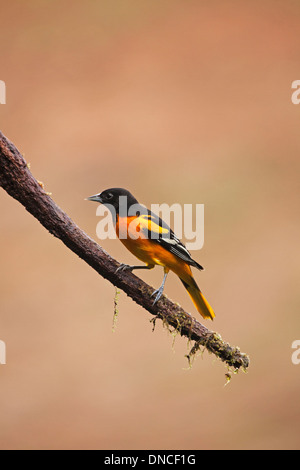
(198, 298)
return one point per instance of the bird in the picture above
(152, 241)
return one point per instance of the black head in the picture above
(114, 197)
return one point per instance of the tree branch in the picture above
(17, 180)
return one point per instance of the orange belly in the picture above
(149, 251)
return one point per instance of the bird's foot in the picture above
(158, 293)
(124, 267)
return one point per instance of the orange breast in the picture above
(147, 250)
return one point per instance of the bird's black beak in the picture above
(95, 198)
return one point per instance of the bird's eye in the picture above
(109, 196)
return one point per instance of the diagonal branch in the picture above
(18, 182)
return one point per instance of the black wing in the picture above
(159, 231)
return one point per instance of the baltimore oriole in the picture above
(150, 239)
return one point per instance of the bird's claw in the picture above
(123, 267)
(158, 293)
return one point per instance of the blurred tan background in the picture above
(178, 101)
